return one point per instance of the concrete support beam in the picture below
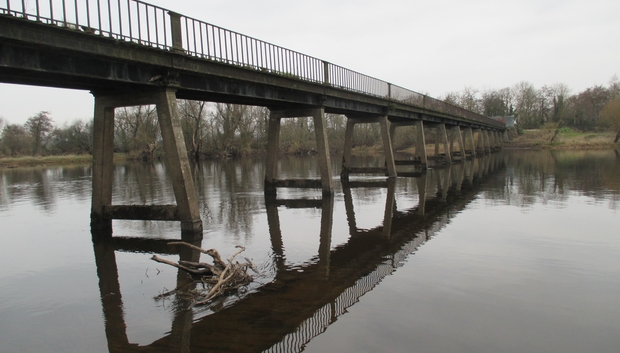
(322, 145)
(458, 136)
(442, 136)
(178, 162)
(469, 135)
(420, 149)
(487, 143)
(187, 210)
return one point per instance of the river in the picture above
(514, 252)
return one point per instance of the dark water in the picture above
(517, 252)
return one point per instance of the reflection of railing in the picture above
(145, 24)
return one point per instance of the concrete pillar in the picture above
(420, 149)
(178, 162)
(387, 146)
(443, 137)
(487, 142)
(322, 146)
(480, 145)
(348, 146)
(103, 167)
(470, 135)
(273, 142)
(456, 133)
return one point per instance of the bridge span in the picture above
(128, 52)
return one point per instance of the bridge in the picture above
(128, 52)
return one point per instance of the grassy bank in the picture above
(14, 162)
(566, 138)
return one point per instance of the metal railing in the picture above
(145, 24)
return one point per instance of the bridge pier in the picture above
(386, 137)
(455, 134)
(469, 135)
(442, 139)
(420, 158)
(326, 183)
(186, 210)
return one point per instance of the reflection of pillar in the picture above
(327, 215)
(422, 192)
(445, 182)
(389, 207)
(348, 205)
(110, 291)
(273, 219)
(469, 170)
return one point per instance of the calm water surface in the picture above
(516, 252)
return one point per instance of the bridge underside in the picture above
(121, 73)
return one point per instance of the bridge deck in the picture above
(202, 61)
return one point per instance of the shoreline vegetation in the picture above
(544, 138)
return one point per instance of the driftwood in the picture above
(217, 278)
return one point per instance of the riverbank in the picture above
(15, 162)
(566, 138)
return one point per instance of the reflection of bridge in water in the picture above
(285, 314)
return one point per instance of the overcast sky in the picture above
(432, 47)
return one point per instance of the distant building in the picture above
(508, 120)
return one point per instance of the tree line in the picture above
(595, 108)
(217, 129)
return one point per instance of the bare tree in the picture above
(39, 126)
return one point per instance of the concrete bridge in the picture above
(132, 53)
(285, 314)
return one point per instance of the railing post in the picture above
(325, 72)
(177, 34)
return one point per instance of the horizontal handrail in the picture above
(145, 24)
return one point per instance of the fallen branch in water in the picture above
(219, 278)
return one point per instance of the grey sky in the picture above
(432, 47)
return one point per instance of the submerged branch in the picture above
(218, 278)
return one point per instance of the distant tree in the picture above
(39, 126)
(195, 125)
(76, 138)
(588, 105)
(494, 103)
(526, 101)
(136, 129)
(610, 116)
(15, 140)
